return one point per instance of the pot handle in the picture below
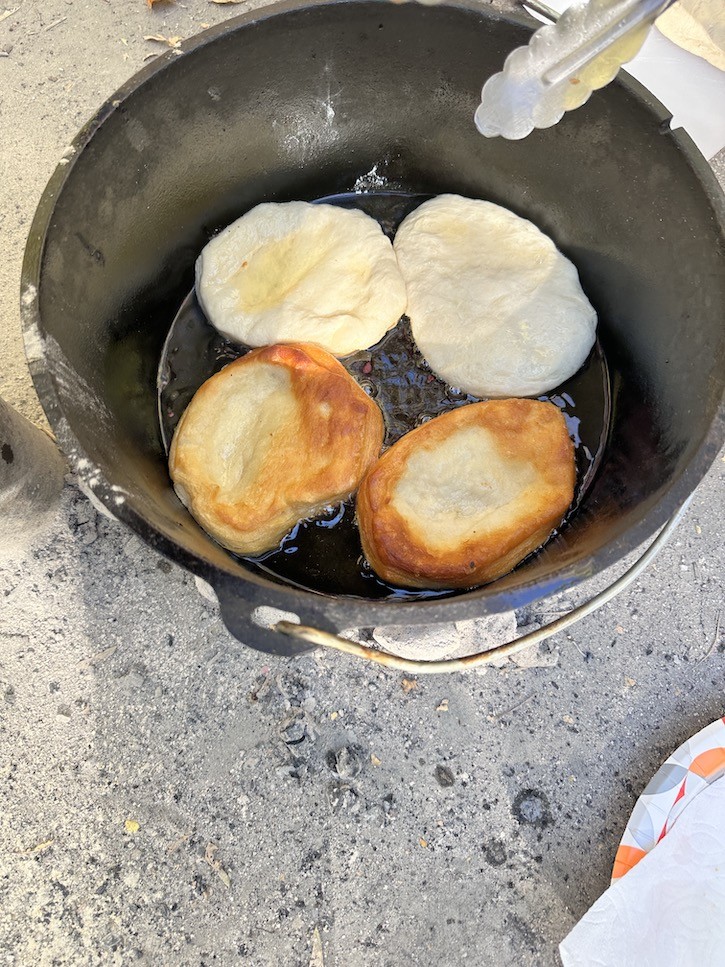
(317, 637)
(240, 614)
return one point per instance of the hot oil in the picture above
(324, 554)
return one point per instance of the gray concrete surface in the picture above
(170, 797)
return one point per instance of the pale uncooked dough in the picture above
(697, 26)
(297, 272)
(495, 308)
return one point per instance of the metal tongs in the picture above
(563, 63)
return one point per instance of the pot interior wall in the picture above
(301, 105)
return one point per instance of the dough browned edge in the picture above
(396, 547)
(313, 463)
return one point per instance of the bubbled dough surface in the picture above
(305, 273)
(271, 439)
(495, 308)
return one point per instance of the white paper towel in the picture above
(669, 910)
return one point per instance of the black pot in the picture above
(240, 115)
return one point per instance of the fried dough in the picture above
(495, 308)
(271, 439)
(297, 272)
(462, 499)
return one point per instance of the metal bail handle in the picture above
(313, 636)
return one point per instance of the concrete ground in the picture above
(168, 796)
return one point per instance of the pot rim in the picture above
(348, 611)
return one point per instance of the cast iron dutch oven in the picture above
(300, 102)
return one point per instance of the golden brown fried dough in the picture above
(271, 439)
(462, 499)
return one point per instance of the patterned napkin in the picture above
(669, 910)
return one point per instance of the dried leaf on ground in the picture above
(33, 850)
(408, 684)
(97, 658)
(210, 859)
(152, 3)
(173, 42)
(317, 959)
(178, 843)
